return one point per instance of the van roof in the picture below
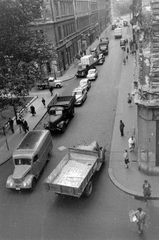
(32, 140)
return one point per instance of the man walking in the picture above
(121, 127)
(141, 219)
(43, 102)
(51, 90)
(146, 190)
(11, 124)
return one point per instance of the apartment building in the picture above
(71, 26)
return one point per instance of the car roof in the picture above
(83, 80)
(78, 89)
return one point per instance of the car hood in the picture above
(57, 81)
(55, 118)
(20, 171)
(78, 97)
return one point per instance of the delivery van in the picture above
(118, 32)
(29, 158)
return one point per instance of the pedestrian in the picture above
(25, 126)
(11, 124)
(32, 110)
(127, 50)
(129, 99)
(140, 220)
(124, 61)
(126, 158)
(146, 190)
(127, 58)
(131, 143)
(121, 127)
(43, 102)
(51, 90)
(19, 123)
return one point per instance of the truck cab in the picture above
(61, 111)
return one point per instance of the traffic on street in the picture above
(103, 213)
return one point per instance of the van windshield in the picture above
(22, 161)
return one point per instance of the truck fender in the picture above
(102, 152)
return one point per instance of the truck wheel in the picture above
(72, 114)
(88, 189)
(33, 184)
(64, 128)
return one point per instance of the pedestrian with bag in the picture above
(43, 102)
(146, 190)
(121, 127)
(11, 124)
(131, 143)
(140, 220)
(126, 158)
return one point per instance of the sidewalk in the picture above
(129, 180)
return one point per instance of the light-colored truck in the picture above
(118, 32)
(73, 175)
(29, 159)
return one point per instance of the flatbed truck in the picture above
(73, 175)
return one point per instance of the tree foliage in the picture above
(22, 50)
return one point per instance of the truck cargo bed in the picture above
(73, 173)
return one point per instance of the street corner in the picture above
(127, 190)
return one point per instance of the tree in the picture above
(22, 50)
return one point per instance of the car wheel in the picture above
(33, 184)
(58, 86)
(64, 128)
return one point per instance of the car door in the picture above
(36, 165)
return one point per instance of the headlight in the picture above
(26, 183)
(10, 182)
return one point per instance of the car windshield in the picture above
(56, 111)
(78, 93)
(91, 71)
(22, 161)
(83, 83)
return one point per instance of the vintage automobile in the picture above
(101, 59)
(123, 43)
(92, 74)
(80, 95)
(85, 84)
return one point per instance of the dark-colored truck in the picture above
(104, 46)
(61, 111)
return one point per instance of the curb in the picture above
(135, 194)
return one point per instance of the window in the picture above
(59, 33)
(35, 158)
(56, 9)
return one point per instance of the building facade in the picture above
(71, 26)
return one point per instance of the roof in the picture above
(32, 140)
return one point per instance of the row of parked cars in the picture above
(80, 92)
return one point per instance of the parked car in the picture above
(55, 82)
(85, 84)
(92, 74)
(80, 95)
(101, 59)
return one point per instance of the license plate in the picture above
(17, 188)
